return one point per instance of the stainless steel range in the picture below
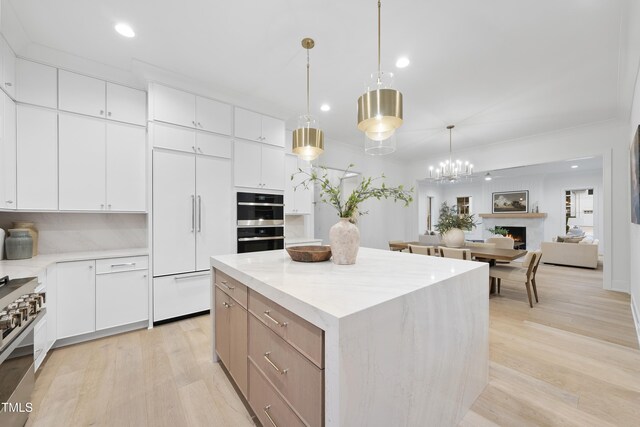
(20, 306)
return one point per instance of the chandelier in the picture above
(308, 138)
(450, 170)
(380, 110)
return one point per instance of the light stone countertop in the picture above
(16, 269)
(297, 240)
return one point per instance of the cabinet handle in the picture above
(200, 149)
(193, 147)
(124, 264)
(91, 267)
(193, 122)
(224, 283)
(199, 214)
(227, 305)
(193, 213)
(266, 412)
(102, 112)
(109, 205)
(199, 124)
(9, 202)
(268, 316)
(101, 205)
(8, 84)
(109, 114)
(278, 370)
(194, 276)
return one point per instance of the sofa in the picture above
(581, 254)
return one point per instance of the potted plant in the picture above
(344, 236)
(452, 225)
(498, 231)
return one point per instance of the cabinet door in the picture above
(52, 305)
(81, 94)
(36, 84)
(126, 104)
(273, 131)
(173, 106)
(272, 168)
(248, 125)
(9, 155)
(238, 345)
(291, 166)
(126, 168)
(222, 325)
(8, 68)
(302, 197)
(174, 215)
(214, 228)
(213, 116)
(180, 295)
(76, 298)
(81, 162)
(247, 161)
(121, 298)
(37, 158)
(174, 138)
(213, 145)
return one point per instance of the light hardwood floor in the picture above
(572, 360)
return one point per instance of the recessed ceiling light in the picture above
(574, 166)
(403, 62)
(125, 30)
(325, 107)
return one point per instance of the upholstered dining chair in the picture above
(455, 253)
(526, 272)
(479, 245)
(501, 242)
(395, 245)
(423, 250)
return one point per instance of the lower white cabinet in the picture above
(76, 298)
(179, 295)
(121, 298)
(40, 341)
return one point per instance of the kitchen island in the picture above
(396, 339)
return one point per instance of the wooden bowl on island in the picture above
(310, 253)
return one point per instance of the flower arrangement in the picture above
(450, 219)
(331, 192)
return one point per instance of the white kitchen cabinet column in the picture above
(247, 160)
(213, 116)
(174, 212)
(76, 298)
(8, 154)
(37, 159)
(173, 106)
(257, 127)
(125, 104)
(125, 168)
(82, 165)
(272, 168)
(81, 94)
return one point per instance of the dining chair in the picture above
(396, 245)
(479, 245)
(526, 273)
(502, 243)
(423, 250)
(456, 253)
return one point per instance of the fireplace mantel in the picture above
(513, 215)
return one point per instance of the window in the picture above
(429, 214)
(464, 205)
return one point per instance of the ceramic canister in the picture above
(19, 244)
(33, 231)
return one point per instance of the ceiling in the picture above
(498, 69)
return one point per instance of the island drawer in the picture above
(297, 379)
(305, 337)
(232, 287)
(269, 407)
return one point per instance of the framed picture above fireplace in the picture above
(511, 202)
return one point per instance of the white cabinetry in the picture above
(101, 165)
(76, 298)
(122, 289)
(192, 211)
(258, 166)
(180, 295)
(36, 83)
(191, 141)
(7, 152)
(8, 68)
(37, 171)
(94, 97)
(260, 128)
(297, 199)
(186, 109)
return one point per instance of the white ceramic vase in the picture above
(344, 238)
(453, 238)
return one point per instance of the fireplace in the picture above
(518, 234)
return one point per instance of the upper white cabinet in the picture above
(8, 153)
(94, 97)
(37, 151)
(186, 109)
(258, 166)
(8, 68)
(260, 128)
(36, 83)
(190, 141)
(101, 165)
(297, 199)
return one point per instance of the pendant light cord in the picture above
(308, 109)
(379, 31)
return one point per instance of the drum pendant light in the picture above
(380, 109)
(308, 138)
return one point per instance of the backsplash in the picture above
(73, 232)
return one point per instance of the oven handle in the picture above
(280, 205)
(260, 222)
(251, 239)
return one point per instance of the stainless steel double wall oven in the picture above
(260, 222)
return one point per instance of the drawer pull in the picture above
(190, 277)
(266, 412)
(268, 316)
(227, 305)
(224, 283)
(278, 370)
(124, 264)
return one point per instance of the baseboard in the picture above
(62, 342)
(636, 316)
